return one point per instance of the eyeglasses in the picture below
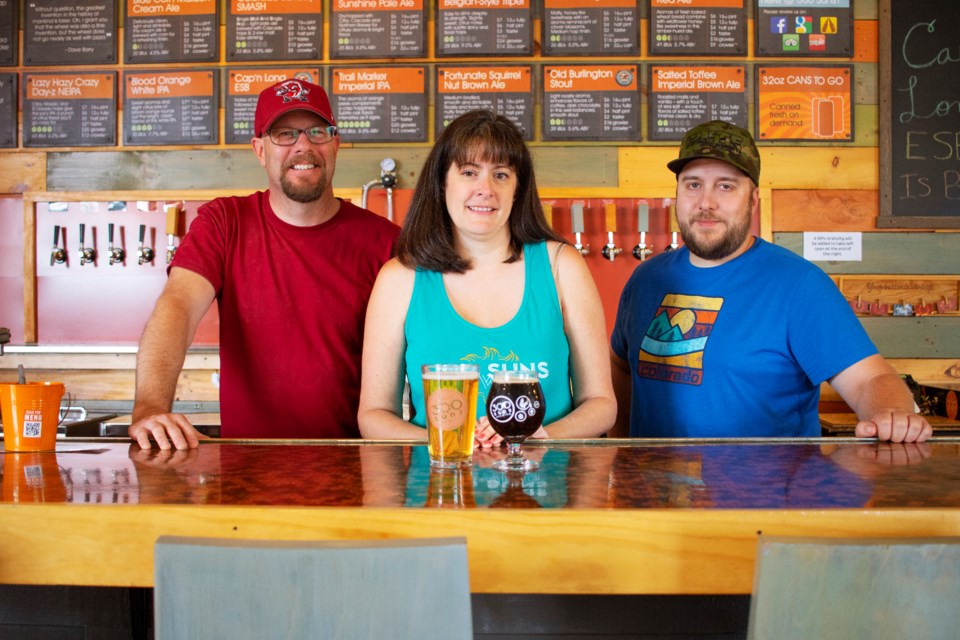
(286, 136)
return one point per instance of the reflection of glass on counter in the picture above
(98, 476)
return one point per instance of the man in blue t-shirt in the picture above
(732, 336)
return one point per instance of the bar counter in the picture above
(599, 517)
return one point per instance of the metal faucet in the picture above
(387, 180)
(610, 251)
(144, 254)
(576, 216)
(58, 255)
(117, 253)
(87, 254)
(642, 250)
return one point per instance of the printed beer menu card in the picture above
(171, 31)
(274, 30)
(8, 32)
(377, 29)
(583, 27)
(591, 102)
(682, 96)
(507, 90)
(8, 110)
(380, 104)
(243, 90)
(481, 27)
(69, 109)
(698, 27)
(170, 107)
(74, 32)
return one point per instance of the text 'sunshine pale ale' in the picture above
(450, 397)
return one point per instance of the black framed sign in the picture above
(57, 32)
(274, 30)
(808, 28)
(698, 27)
(70, 109)
(380, 104)
(682, 96)
(919, 114)
(590, 27)
(598, 102)
(170, 107)
(172, 31)
(8, 32)
(482, 27)
(8, 110)
(378, 29)
(506, 89)
(810, 102)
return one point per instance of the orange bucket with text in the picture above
(31, 413)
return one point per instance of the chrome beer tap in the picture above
(117, 253)
(144, 254)
(87, 254)
(576, 215)
(58, 255)
(642, 250)
(610, 251)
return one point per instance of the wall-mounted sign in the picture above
(591, 102)
(243, 90)
(8, 110)
(682, 96)
(507, 90)
(481, 27)
(805, 103)
(698, 27)
(804, 28)
(274, 30)
(171, 31)
(8, 31)
(70, 109)
(380, 104)
(585, 27)
(378, 29)
(74, 32)
(170, 107)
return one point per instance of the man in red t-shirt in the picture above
(291, 269)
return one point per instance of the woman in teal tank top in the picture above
(479, 276)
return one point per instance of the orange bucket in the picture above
(31, 413)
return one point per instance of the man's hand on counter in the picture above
(895, 426)
(168, 430)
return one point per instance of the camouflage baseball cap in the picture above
(722, 141)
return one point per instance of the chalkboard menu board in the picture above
(507, 90)
(698, 27)
(170, 107)
(8, 32)
(380, 104)
(58, 32)
(69, 109)
(172, 31)
(274, 30)
(479, 27)
(919, 114)
(584, 27)
(378, 29)
(591, 102)
(807, 28)
(8, 110)
(682, 96)
(243, 90)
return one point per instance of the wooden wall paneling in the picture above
(908, 253)
(915, 337)
(29, 272)
(825, 209)
(22, 171)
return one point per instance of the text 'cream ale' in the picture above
(450, 397)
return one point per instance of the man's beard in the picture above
(719, 248)
(303, 192)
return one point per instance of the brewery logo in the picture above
(673, 345)
(447, 409)
(292, 90)
(503, 409)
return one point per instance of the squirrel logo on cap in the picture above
(292, 90)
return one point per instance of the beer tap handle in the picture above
(145, 254)
(110, 235)
(611, 250)
(547, 213)
(642, 250)
(58, 255)
(576, 215)
(674, 228)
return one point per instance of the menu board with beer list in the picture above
(698, 27)
(171, 31)
(243, 90)
(378, 29)
(70, 109)
(74, 32)
(380, 104)
(8, 110)
(804, 28)
(170, 107)
(480, 27)
(8, 32)
(682, 96)
(584, 27)
(805, 103)
(591, 102)
(274, 30)
(507, 90)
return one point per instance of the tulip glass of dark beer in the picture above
(450, 397)
(515, 409)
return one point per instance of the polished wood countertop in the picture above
(600, 516)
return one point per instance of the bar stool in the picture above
(209, 588)
(856, 588)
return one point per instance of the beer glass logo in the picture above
(447, 409)
(504, 409)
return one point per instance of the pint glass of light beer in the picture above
(450, 397)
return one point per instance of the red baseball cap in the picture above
(290, 95)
